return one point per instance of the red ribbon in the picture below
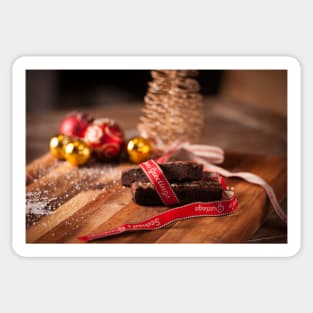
(196, 209)
(208, 156)
(160, 183)
(168, 197)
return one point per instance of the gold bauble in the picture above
(77, 152)
(139, 149)
(57, 144)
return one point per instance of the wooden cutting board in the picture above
(63, 203)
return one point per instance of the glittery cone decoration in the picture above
(173, 107)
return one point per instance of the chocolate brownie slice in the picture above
(174, 171)
(187, 192)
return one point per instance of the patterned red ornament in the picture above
(75, 124)
(106, 138)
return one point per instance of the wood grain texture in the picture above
(64, 202)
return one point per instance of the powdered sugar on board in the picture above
(63, 182)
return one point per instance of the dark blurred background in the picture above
(48, 90)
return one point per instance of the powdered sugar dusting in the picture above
(37, 203)
(47, 194)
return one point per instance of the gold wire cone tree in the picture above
(173, 107)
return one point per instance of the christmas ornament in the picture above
(106, 138)
(138, 149)
(77, 152)
(57, 144)
(75, 124)
(173, 107)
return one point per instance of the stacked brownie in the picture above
(188, 180)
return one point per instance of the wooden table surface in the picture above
(235, 128)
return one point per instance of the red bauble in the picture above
(75, 124)
(106, 138)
